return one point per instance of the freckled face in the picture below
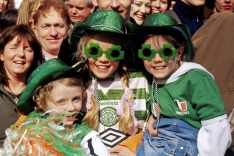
(159, 68)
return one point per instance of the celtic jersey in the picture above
(110, 93)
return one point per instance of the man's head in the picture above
(51, 26)
(78, 10)
(121, 6)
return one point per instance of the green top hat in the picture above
(164, 24)
(103, 20)
(42, 75)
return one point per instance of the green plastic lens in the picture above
(113, 54)
(167, 52)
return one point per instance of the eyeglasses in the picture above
(113, 54)
(167, 52)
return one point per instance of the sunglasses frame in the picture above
(107, 52)
(160, 52)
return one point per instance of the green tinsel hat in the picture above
(103, 21)
(42, 75)
(164, 24)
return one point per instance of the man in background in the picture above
(123, 7)
(79, 10)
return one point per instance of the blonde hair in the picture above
(92, 115)
(42, 94)
(26, 11)
(126, 121)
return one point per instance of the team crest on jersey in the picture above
(108, 116)
(182, 106)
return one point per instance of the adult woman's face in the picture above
(159, 6)
(3, 4)
(17, 57)
(224, 5)
(139, 10)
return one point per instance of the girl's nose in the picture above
(103, 58)
(157, 58)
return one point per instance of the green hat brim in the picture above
(178, 31)
(42, 75)
(81, 28)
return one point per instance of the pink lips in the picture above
(227, 7)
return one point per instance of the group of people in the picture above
(117, 80)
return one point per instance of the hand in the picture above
(150, 128)
(122, 151)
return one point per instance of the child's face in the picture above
(102, 66)
(160, 67)
(66, 100)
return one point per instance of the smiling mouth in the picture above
(102, 67)
(159, 67)
(140, 16)
(19, 62)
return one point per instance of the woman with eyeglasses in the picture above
(188, 113)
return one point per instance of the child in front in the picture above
(54, 128)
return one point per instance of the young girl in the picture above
(121, 97)
(54, 127)
(186, 103)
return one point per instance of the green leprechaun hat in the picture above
(164, 24)
(103, 20)
(42, 75)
